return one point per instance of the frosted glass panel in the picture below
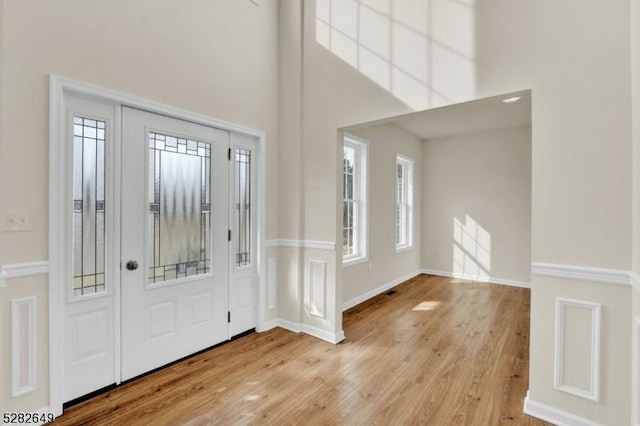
(179, 208)
(243, 206)
(89, 140)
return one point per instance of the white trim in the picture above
(593, 393)
(378, 290)
(490, 280)
(327, 336)
(17, 366)
(354, 261)
(316, 306)
(582, 273)
(312, 331)
(272, 282)
(290, 326)
(3, 279)
(311, 244)
(26, 269)
(268, 325)
(634, 280)
(409, 181)
(271, 243)
(361, 177)
(86, 89)
(553, 415)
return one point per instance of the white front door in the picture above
(174, 245)
(160, 236)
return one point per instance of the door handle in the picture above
(132, 265)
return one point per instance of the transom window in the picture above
(404, 202)
(354, 194)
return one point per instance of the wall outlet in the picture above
(16, 220)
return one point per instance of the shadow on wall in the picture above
(420, 51)
(471, 250)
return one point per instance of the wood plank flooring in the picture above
(439, 351)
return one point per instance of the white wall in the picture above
(384, 265)
(217, 58)
(476, 217)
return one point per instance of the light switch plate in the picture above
(17, 220)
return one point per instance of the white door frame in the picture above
(59, 88)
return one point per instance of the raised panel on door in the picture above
(174, 227)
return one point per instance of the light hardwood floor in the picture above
(439, 351)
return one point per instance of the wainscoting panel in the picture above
(316, 288)
(577, 326)
(23, 346)
(272, 282)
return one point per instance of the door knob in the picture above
(132, 265)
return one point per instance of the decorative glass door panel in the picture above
(242, 216)
(89, 138)
(179, 208)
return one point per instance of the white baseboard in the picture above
(288, 325)
(268, 325)
(554, 415)
(491, 280)
(318, 333)
(334, 338)
(378, 290)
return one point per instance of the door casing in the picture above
(60, 89)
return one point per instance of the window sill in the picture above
(403, 249)
(354, 261)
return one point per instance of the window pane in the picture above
(179, 212)
(243, 207)
(89, 165)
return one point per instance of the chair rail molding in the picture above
(19, 270)
(309, 244)
(582, 273)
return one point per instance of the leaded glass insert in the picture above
(89, 164)
(243, 206)
(179, 208)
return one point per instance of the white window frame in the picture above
(407, 202)
(360, 197)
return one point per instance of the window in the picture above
(354, 194)
(242, 218)
(404, 201)
(89, 140)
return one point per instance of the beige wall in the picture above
(477, 204)
(222, 60)
(125, 46)
(635, 106)
(217, 58)
(575, 57)
(384, 265)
